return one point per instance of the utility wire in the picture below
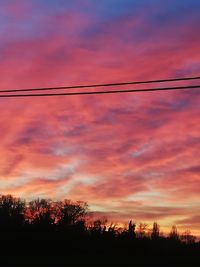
(98, 85)
(103, 92)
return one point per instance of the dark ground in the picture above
(97, 252)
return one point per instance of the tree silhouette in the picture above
(141, 230)
(59, 228)
(39, 213)
(11, 212)
(187, 238)
(72, 212)
(174, 234)
(97, 226)
(155, 231)
(131, 229)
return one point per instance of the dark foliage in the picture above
(47, 233)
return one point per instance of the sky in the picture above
(130, 156)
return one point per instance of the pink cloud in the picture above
(127, 145)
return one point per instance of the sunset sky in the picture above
(130, 156)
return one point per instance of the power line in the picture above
(98, 85)
(103, 92)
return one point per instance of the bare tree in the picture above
(39, 212)
(72, 212)
(11, 211)
(187, 237)
(141, 230)
(155, 231)
(131, 229)
(174, 233)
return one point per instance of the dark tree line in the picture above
(16, 213)
(62, 229)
